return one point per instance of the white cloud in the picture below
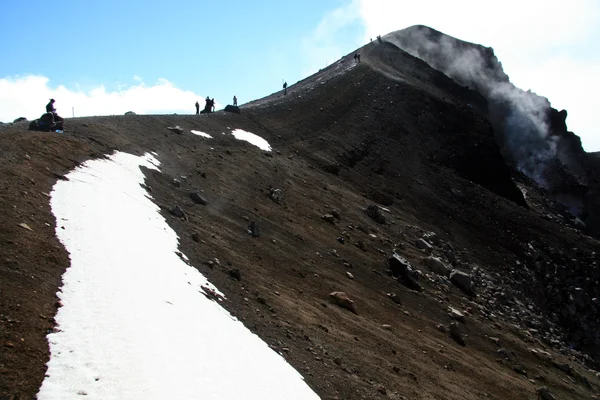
(544, 45)
(27, 97)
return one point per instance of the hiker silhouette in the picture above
(197, 108)
(235, 101)
(285, 88)
(50, 109)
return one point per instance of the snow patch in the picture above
(252, 139)
(199, 133)
(134, 323)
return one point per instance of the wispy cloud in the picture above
(27, 96)
(338, 33)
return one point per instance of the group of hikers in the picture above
(50, 121)
(210, 105)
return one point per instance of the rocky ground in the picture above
(383, 247)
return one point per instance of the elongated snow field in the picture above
(133, 322)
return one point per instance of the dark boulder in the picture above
(402, 268)
(374, 212)
(198, 199)
(232, 109)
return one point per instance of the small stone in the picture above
(349, 275)
(395, 298)
(196, 237)
(328, 218)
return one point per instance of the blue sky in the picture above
(108, 57)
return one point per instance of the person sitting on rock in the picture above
(50, 109)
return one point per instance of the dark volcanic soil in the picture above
(389, 131)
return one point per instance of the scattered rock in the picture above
(395, 298)
(175, 129)
(349, 275)
(438, 266)
(196, 237)
(342, 300)
(329, 218)
(198, 199)
(424, 245)
(402, 268)
(544, 393)
(25, 226)
(176, 182)
(456, 315)
(235, 274)
(20, 119)
(275, 195)
(253, 229)
(374, 212)
(178, 212)
(456, 334)
(463, 281)
(341, 240)
(130, 113)
(336, 214)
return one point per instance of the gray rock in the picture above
(275, 195)
(176, 182)
(438, 266)
(20, 119)
(336, 214)
(329, 218)
(130, 113)
(463, 281)
(196, 237)
(374, 212)
(176, 129)
(432, 238)
(424, 245)
(198, 199)
(456, 315)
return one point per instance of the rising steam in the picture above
(520, 118)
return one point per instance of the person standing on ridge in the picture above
(235, 101)
(212, 104)
(284, 88)
(197, 108)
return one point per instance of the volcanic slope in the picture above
(388, 131)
